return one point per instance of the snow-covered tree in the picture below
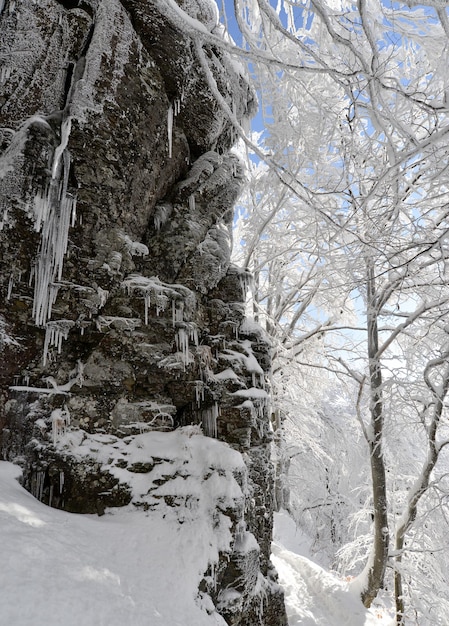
(355, 98)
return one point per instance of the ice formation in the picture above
(105, 322)
(173, 111)
(199, 392)
(103, 295)
(10, 287)
(186, 333)
(209, 418)
(55, 332)
(66, 127)
(201, 170)
(162, 214)
(170, 130)
(53, 210)
(135, 248)
(159, 294)
(60, 420)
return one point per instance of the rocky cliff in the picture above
(120, 312)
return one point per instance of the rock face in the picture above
(120, 311)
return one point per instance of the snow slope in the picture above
(127, 567)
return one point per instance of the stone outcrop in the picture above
(121, 313)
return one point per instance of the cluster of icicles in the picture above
(159, 294)
(54, 212)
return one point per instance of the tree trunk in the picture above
(419, 489)
(377, 568)
(398, 593)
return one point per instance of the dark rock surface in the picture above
(120, 310)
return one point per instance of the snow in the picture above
(249, 363)
(227, 374)
(110, 45)
(253, 392)
(249, 326)
(5, 337)
(314, 596)
(141, 568)
(180, 18)
(60, 420)
(129, 566)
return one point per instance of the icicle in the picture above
(193, 333)
(178, 311)
(53, 212)
(245, 283)
(61, 481)
(73, 219)
(80, 372)
(209, 420)
(170, 130)
(159, 295)
(192, 202)
(147, 305)
(161, 215)
(161, 302)
(182, 344)
(188, 332)
(103, 295)
(10, 287)
(41, 206)
(199, 392)
(55, 332)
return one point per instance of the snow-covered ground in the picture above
(60, 569)
(136, 568)
(314, 596)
